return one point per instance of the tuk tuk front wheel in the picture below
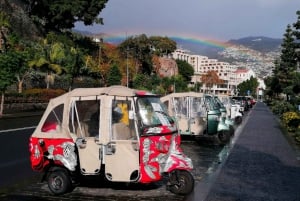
(59, 182)
(181, 182)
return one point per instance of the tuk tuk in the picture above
(232, 108)
(189, 111)
(216, 127)
(225, 112)
(122, 134)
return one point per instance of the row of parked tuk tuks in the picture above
(126, 135)
(206, 115)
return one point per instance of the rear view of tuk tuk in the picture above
(121, 134)
(216, 126)
(197, 115)
(188, 109)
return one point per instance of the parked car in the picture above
(251, 101)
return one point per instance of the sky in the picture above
(219, 20)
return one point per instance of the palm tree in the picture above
(49, 59)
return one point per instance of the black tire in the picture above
(181, 182)
(59, 182)
(231, 130)
(224, 136)
(238, 120)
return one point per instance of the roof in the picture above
(182, 94)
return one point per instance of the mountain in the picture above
(261, 43)
(199, 47)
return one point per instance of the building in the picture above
(243, 74)
(202, 65)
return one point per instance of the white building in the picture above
(203, 64)
(243, 74)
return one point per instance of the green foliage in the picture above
(162, 45)
(185, 69)
(141, 49)
(287, 63)
(10, 64)
(291, 120)
(138, 48)
(141, 81)
(280, 107)
(114, 76)
(35, 95)
(59, 15)
(250, 85)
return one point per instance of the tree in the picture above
(114, 76)
(296, 33)
(59, 15)
(138, 48)
(287, 63)
(273, 86)
(210, 79)
(4, 26)
(58, 55)
(162, 45)
(9, 64)
(248, 85)
(185, 69)
(48, 59)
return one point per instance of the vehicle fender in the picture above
(222, 126)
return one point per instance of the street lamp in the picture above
(174, 90)
(127, 66)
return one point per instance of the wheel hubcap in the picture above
(57, 182)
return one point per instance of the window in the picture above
(122, 126)
(84, 118)
(54, 120)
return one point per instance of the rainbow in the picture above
(186, 38)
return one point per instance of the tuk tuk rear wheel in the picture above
(59, 182)
(238, 120)
(224, 136)
(181, 182)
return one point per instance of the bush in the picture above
(280, 107)
(33, 95)
(291, 120)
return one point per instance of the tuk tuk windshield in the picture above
(189, 106)
(218, 102)
(153, 112)
(210, 103)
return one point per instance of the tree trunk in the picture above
(20, 86)
(2, 104)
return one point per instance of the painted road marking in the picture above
(17, 129)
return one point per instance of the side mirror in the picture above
(131, 114)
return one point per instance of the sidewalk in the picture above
(261, 166)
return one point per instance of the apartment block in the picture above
(202, 64)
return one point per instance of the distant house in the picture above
(243, 74)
